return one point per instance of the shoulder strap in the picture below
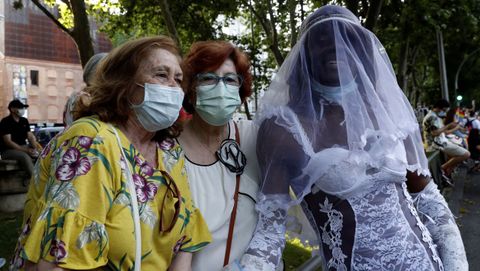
(234, 210)
(135, 212)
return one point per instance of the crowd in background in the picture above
(466, 122)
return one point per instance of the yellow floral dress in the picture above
(78, 213)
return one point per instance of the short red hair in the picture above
(207, 56)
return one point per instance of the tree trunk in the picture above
(373, 13)
(402, 75)
(292, 5)
(269, 28)
(247, 111)
(274, 36)
(167, 17)
(352, 5)
(81, 31)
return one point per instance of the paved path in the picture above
(465, 204)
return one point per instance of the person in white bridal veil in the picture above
(336, 128)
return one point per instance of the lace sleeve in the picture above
(266, 246)
(436, 215)
(280, 158)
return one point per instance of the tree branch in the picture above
(373, 13)
(52, 17)
(167, 17)
(81, 30)
(292, 5)
(270, 30)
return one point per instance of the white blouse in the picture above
(212, 188)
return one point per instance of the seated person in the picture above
(474, 141)
(15, 130)
(435, 136)
(472, 121)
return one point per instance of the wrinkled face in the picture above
(161, 67)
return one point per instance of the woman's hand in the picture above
(181, 262)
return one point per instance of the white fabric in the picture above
(476, 124)
(371, 123)
(135, 212)
(356, 149)
(212, 188)
(440, 222)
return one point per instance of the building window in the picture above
(34, 77)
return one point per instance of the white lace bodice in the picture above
(388, 233)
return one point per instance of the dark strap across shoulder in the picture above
(234, 210)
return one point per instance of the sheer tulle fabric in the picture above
(334, 120)
(368, 129)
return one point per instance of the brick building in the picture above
(39, 63)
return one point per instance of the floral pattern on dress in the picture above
(74, 169)
(58, 250)
(171, 153)
(331, 235)
(384, 239)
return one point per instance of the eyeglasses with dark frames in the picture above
(173, 192)
(211, 79)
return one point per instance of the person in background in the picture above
(103, 195)
(219, 153)
(459, 135)
(474, 148)
(471, 119)
(335, 127)
(474, 139)
(435, 132)
(81, 96)
(18, 142)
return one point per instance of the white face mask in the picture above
(160, 108)
(333, 94)
(216, 105)
(21, 112)
(442, 114)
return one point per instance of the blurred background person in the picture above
(81, 96)
(18, 142)
(435, 132)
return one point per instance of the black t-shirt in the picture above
(17, 130)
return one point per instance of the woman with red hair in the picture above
(220, 153)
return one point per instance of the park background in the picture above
(433, 46)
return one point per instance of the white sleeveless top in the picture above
(212, 187)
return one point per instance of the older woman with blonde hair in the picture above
(102, 195)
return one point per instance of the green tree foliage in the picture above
(407, 29)
(191, 20)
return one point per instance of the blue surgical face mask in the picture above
(160, 107)
(216, 104)
(442, 114)
(333, 94)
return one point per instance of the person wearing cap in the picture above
(15, 131)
